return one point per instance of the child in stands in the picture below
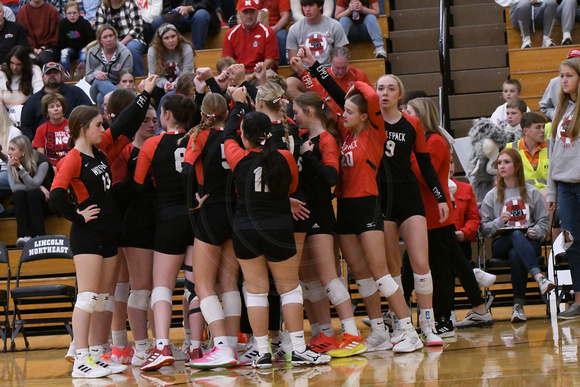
(514, 111)
(74, 34)
(512, 88)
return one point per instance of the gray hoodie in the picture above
(122, 60)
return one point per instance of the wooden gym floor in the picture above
(538, 352)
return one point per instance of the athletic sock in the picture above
(349, 326)
(298, 344)
(377, 325)
(221, 342)
(160, 343)
(262, 343)
(120, 338)
(327, 329)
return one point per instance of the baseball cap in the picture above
(574, 53)
(248, 4)
(51, 66)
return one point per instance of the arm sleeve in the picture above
(228, 49)
(213, 86)
(472, 218)
(550, 98)
(551, 187)
(100, 16)
(329, 84)
(58, 200)
(144, 159)
(137, 21)
(37, 83)
(251, 89)
(187, 56)
(33, 182)
(27, 118)
(327, 173)
(14, 186)
(490, 222)
(293, 170)
(92, 67)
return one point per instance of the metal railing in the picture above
(445, 65)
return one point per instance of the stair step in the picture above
(414, 62)
(478, 35)
(415, 19)
(535, 83)
(473, 105)
(429, 82)
(461, 128)
(538, 59)
(413, 4)
(419, 40)
(471, 58)
(479, 81)
(477, 14)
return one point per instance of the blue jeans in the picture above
(523, 254)
(198, 22)
(569, 210)
(137, 49)
(282, 35)
(368, 29)
(69, 54)
(98, 91)
(4, 185)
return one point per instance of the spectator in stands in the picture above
(7, 132)
(514, 214)
(126, 81)
(199, 16)
(150, 9)
(549, 100)
(279, 17)
(512, 88)
(11, 34)
(185, 86)
(106, 58)
(125, 17)
(251, 41)
(169, 56)
(52, 77)
(40, 20)
(19, 79)
(514, 110)
(359, 20)
(51, 138)
(30, 178)
(58, 4)
(74, 34)
(319, 32)
(297, 15)
(90, 10)
(525, 12)
(8, 14)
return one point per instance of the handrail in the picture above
(444, 64)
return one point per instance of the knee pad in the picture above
(87, 301)
(102, 302)
(313, 291)
(161, 293)
(139, 299)
(366, 287)
(337, 292)
(211, 309)
(110, 305)
(423, 283)
(257, 299)
(190, 288)
(232, 304)
(122, 291)
(294, 296)
(387, 285)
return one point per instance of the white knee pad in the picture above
(161, 293)
(232, 304)
(87, 301)
(257, 299)
(337, 292)
(366, 287)
(313, 291)
(294, 296)
(423, 283)
(122, 292)
(387, 285)
(102, 302)
(211, 309)
(110, 305)
(139, 299)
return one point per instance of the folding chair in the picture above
(50, 302)
(559, 272)
(5, 323)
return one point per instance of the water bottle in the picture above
(355, 15)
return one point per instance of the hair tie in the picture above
(280, 98)
(265, 137)
(165, 28)
(210, 117)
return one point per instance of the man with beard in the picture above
(32, 116)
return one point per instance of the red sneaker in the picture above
(158, 359)
(324, 343)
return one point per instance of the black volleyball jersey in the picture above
(163, 157)
(289, 141)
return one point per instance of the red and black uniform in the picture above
(401, 197)
(360, 156)
(212, 221)
(163, 157)
(263, 220)
(89, 181)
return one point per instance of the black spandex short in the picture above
(173, 235)
(138, 230)
(93, 240)
(321, 220)
(275, 245)
(212, 224)
(404, 202)
(357, 215)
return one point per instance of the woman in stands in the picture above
(95, 224)
(263, 238)
(360, 225)
(401, 201)
(169, 56)
(163, 155)
(514, 214)
(19, 79)
(106, 59)
(30, 177)
(563, 175)
(126, 80)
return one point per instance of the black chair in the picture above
(45, 304)
(5, 323)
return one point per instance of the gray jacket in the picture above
(122, 60)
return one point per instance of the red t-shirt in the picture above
(275, 8)
(54, 140)
(251, 47)
(366, 3)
